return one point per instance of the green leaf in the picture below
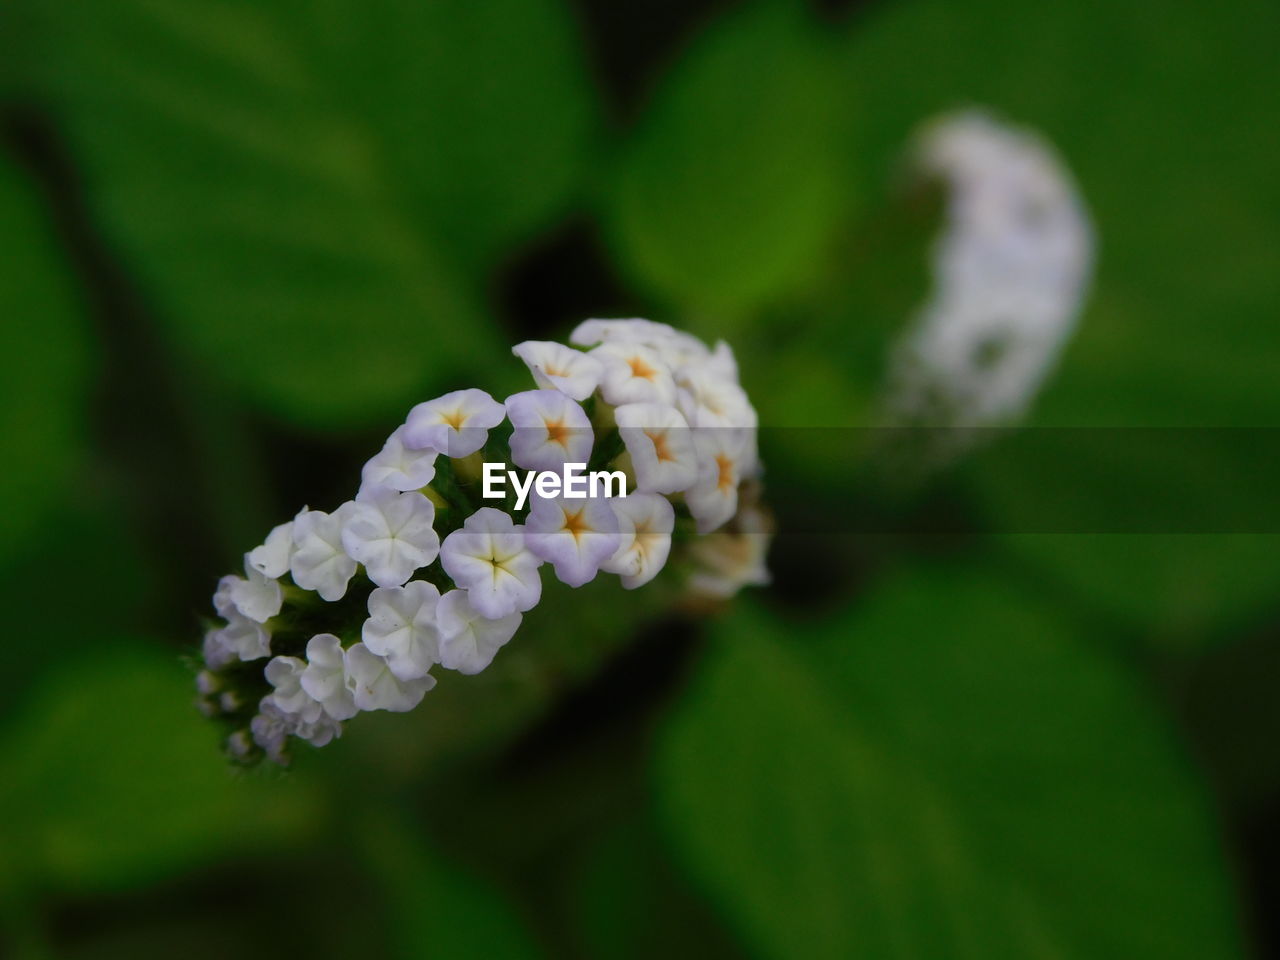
(947, 772)
(1178, 169)
(312, 193)
(111, 778)
(44, 388)
(733, 182)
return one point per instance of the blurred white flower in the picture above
(468, 639)
(645, 522)
(1011, 270)
(270, 727)
(375, 687)
(574, 536)
(634, 330)
(392, 534)
(557, 367)
(319, 561)
(729, 560)
(550, 430)
(456, 424)
(325, 676)
(660, 443)
(489, 558)
(402, 628)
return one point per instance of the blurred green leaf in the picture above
(311, 192)
(634, 904)
(44, 388)
(947, 772)
(1159, 118)
(732, 184)
(111, 778)
(436, 910)
(486, 109)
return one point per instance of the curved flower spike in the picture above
(557, 367)
(319, 561)
(392, 535)
(468, 640)
(456, 424)
(402, 628)
(645, 522)
(396, 467)
(661, 446)
(489, 558)
(325, 676)
(375, 687)
(574, 536)
(550, 430)
(652, 389)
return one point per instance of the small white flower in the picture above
(402, 628)
(259, 597)
(708, 400)
(325, 676)
(240, 743)
(635, 330)
(240, 639)
(456, 424)
(729, 561)
(550, 430)
(722, 363)
(490, 559)
(660, 442)
(634, 373)
(318, 732)
(468, 640)
(270, 728)
(396, 467)
(392, 535)
(713, 499)
(375, 687)
(271, 558)
(285, 674)
(574, 536)
(557, 367)
(319, 561)
(645, 522)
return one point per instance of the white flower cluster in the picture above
(352, 609)
(1011, 270)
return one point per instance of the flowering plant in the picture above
(348, 611)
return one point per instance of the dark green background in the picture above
(239, 239)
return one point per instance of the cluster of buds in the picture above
(1011, 270)
(641, 438)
